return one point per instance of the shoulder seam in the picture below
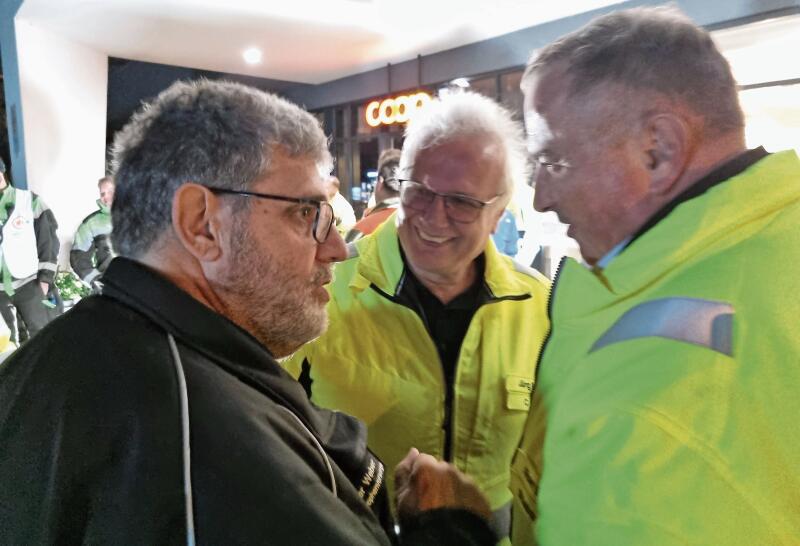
(93, 214)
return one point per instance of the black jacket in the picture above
(91, 435)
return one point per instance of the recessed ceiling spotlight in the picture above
(252, 55)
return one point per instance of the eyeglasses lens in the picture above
(419, 198)
(322, 227)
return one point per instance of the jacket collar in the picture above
(687, 231)
(226, 344)
(380, 263)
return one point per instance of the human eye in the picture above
(555, 167)
(307, 212)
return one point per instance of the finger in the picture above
(404, 467)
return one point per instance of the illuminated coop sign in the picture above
(395, 110)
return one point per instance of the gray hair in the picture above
(459, 114)
(208, 132)
(654, 49)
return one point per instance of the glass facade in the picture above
(356, 145)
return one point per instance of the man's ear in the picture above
(196, 219)
(668, 140)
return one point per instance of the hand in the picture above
(44, 286)
(424, 483)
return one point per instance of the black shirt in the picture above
(447, 324)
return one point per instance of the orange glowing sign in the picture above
(395, 110)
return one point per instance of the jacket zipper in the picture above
(449, 390)
(547, 336)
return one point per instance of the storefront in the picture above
(361, 131)
(762, 62)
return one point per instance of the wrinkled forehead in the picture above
(544, 92)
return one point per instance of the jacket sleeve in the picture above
(446, 526)
(47, 245)
(82, 253)
(81, 262)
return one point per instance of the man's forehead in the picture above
(303, 176)
(546, 108)
(537, 132)
(467, 164)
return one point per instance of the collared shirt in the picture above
(446, 323)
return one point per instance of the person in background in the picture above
(665, 408)
(156, 412)
(387, 196)
(506, 236)
(7, 346)
(425, 315)
(91, 248)
(28, 258)
(342, 209)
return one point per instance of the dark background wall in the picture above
(132, 82)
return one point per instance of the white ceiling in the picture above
(311, 41)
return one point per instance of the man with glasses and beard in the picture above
(433, 334)
(156, 413)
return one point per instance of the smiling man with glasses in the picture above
(434, 335)
(156, 412)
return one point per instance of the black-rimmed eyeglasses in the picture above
(323, 217)
(459, 208)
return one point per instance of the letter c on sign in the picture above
(372, 119)
(395, 110)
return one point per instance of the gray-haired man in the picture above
(156, 413)
(666, 396)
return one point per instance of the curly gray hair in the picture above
(460, 114)
(210, 132)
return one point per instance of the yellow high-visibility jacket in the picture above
(378, 362)
(671, 381)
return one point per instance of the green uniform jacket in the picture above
(44, 235)
(671, 381)
(91, 249)
(378, 362)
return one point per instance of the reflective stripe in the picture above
(700, 322)
(183, 397)
(48, 266)
(93, 274)
(500, 521)
(19, 282)
(352, 251)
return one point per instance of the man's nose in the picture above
(436, 213)
(333, 249)
(543, 195)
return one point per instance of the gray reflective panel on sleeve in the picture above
(701, 322)
(352, 251)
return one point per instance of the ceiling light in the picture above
(460, 82)
(252, 55)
